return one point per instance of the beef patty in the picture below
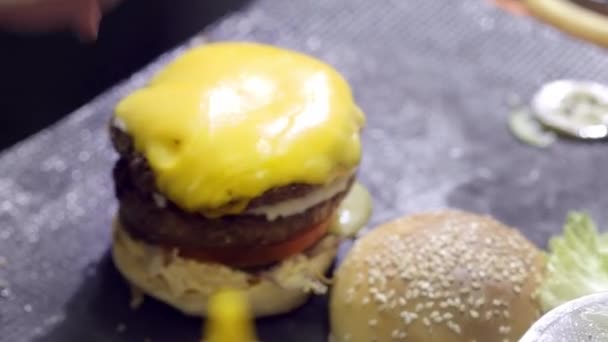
(169, 225)
(144, 180)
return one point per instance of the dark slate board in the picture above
(433, 77)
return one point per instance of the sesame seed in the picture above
(379, 297)
(408, 317)
(372, 322)
(426, 321)
(504, 330)
(474, 313)
(454, 327)
(436, 317)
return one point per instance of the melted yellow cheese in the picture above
(225, 122)
(230, 319)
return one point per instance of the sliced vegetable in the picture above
(577, 262)
(247, 256)
(354, 212)
(585, 108)
(576, 108)
(528, 130)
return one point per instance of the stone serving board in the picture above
(434, 78)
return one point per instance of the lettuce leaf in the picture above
(577, 262)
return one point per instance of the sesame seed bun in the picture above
(443, 276)
(187, 284)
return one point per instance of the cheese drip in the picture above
(226, 122)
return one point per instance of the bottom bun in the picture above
(187, 284)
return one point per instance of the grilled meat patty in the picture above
(145, 183)
(166, 224)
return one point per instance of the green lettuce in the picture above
(577, 262)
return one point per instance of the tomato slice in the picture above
(248, 256)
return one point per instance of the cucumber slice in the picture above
(353, 213)
(525, 128)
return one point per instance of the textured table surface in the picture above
(433, 77)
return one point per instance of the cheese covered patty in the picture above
(148, 217)
(227, 122)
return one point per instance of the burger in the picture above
(441, 276)
(233, 162)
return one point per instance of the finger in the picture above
(107, 5)
(87, 19)
(516, 7)
(33, 16)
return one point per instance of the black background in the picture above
(47, 76)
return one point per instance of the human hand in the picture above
(33, 16)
